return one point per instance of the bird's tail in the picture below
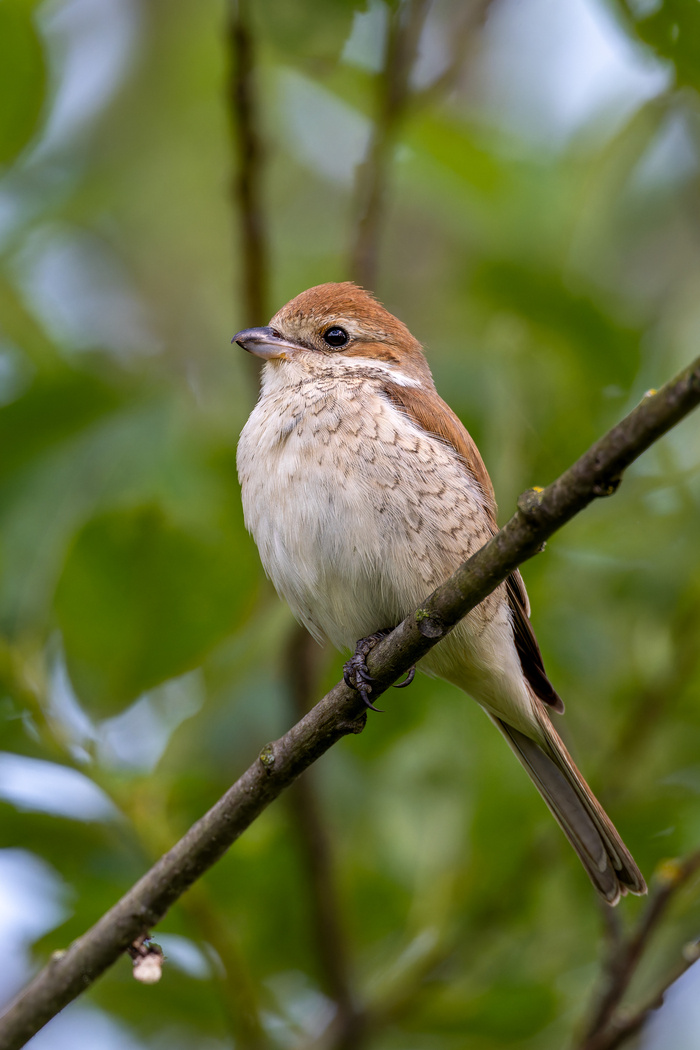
(583, 820)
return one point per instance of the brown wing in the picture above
(428, 411)
(526, 643)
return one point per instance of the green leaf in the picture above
(22, 77)
(56, 406)
(512, 1012)
(314, 31)
(141, 600)
(673, 31)
(456, 147)
(576, 318)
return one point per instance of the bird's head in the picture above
(337, 324)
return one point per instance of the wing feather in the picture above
(426, 409)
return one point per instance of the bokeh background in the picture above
(525, 193)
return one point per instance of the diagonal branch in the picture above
(624, 1025)
(340, 712)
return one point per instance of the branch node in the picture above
(429, 625)
(530, 500)
(608, 487)
(670, 872)
(355, 725)
(68, 975)
(267, 757)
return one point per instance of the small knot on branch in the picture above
(609, 487)
(670, 872)
(355, 725)
(267, 758)
(430, 626)
(530, 501)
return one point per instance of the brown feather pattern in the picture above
(428, 411)
(380, 354)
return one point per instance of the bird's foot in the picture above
(356, 674)
(410, 675)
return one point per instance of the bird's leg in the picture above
(355, 671)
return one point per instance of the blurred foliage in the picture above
(22, 76)
(553, 281)
(671, 28)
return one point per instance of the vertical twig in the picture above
(252, 251)
(248, 175)
(302, 674)
(405, 25)
(473, 14)
(394, 95)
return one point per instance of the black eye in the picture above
(336, 336)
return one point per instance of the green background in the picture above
(551, 266)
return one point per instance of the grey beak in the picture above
(265, 343)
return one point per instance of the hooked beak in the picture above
(265, 343)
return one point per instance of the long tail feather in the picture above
(583, 820)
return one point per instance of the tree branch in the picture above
(405, 25)
(248, 175)
(394, 97)
(607, 1028)
(302, 666)
(340, 712)
(473, 17)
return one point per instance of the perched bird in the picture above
(363, 492)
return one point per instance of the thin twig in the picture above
(605, 1028)
(541, 513)
(405, 24)
(623, 1027)
(394, 98)
(472, 17)
(248, 179)
(302, 674)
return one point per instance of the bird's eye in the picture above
(335, 336)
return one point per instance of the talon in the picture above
(368, 703)
(355, 673)
(410, 675)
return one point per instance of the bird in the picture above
(364, 492)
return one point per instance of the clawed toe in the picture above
(410, 675)
(356, 674)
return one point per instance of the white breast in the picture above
(357, 513)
